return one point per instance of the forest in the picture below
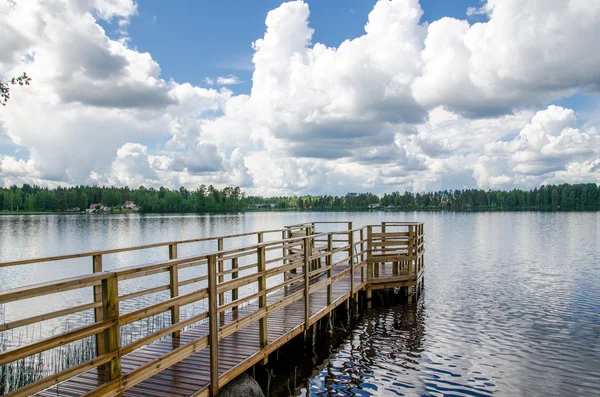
(27, 198)
(204, 199)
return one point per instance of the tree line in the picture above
(585, 196)
(210, 199)
(42, 199)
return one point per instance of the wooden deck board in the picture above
(192, 374)
(173, 366)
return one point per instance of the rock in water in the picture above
(242, 386)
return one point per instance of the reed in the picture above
(28, 370)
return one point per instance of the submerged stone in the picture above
(242, 386)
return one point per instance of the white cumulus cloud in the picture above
(405, 105)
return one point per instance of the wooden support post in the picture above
(221, 267)
(284, 261)
(174, 287)
(422, 238)
(328, 262)
(351, 258)
(384, 250)
(112, 335)
(97, 268)
(262, 299)
(307, 252)
(362, 255)
(313, 263)
(369, 259)
(411, 234)
(289, 235)
(234, 275)
(213, 326)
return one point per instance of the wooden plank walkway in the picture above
(198, 356)
(237, 352)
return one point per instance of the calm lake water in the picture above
(511, 303)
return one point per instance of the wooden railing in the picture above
(301, 262)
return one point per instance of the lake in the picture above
(511, 303)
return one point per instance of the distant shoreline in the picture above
(16, 213)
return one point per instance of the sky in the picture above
(301, 97)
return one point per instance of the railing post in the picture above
(213, 327)
(351, 258)
(314, 264)
(369, 260)
(262, 299)
(289, 252)
(97, 268)
(362, 255)
(234, 275)
(411, 234)
(174, 287)
(307, 252)
(381, 249)
(283, 256)
(221, 267)
(423, 249)
(112, 335)
(328, 262)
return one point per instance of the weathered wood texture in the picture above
(297, 280)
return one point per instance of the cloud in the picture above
(548, 146)
(522, 56)
(405, 105)
(132, 166)
(229, 80)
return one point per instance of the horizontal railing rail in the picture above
(300, 263)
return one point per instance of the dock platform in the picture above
(258, 297)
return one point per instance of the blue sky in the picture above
(193, 40)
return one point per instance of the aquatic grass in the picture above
(31, 369)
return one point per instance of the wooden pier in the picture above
(258, 297)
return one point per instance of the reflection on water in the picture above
(511, 307)
(386, 343)
(511, 303)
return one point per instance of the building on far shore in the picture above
(95, 208)
(131, 205)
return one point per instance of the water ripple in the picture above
(511, 309)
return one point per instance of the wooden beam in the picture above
(54, 341)
(213, 335)
(56, 378)
(328, 262)
(262, 299)
(234, 275)
(307, 251)
(351, 257)
(174, 288)
(221, 266)
(362, 254)
(97, 268)
(411, 233)
(52, 287)
(48, 316)
(163, 306)
(112, 335)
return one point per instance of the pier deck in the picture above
(297, 280)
